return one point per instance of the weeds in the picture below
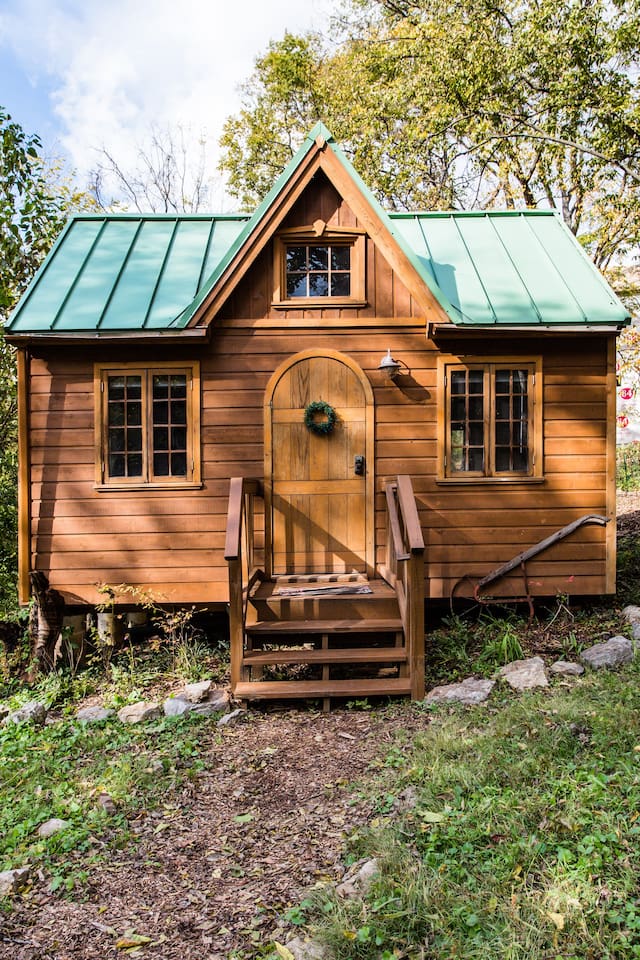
(628, 467)
(520, 842)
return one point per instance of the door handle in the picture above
(358, 466)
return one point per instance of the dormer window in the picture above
(318, 270)
(320, 265)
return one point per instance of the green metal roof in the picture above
(128, 272)
(124, 272)
(513, 268)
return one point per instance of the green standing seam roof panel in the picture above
(133, 272)
(47, 293)
(132, 297)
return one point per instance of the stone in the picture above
(613, 653)
(358, 879)
(220, 697)
(306, 949)
(631, 614)
(209, 707)
(566, 668)
(137, 712)
(105, 802)
(53, 826)
(176, 707)
(406, 799)
(525, 674)
(13, 881)
(232, 717)
(469, 691)
(32, 712)
(197, 692)
(93, 714)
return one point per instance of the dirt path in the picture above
(202, 883)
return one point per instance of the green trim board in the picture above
(122, 272)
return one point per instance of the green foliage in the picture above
(462, 105)
(35, 200)
(628, 467)
(520, 843)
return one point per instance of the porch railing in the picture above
(404, 571)
(239, 552)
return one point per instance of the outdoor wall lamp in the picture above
(390, 366)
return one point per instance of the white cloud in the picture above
(115, 69)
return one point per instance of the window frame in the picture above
(148, 481)
(489, 366)
(320, 235)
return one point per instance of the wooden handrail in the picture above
(409, 510)
(242, 572)
(394, 522)
(405, 572)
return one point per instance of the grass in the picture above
(61, 769)
(523, 841)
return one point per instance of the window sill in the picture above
(317, 303)
(465, 481)
(123, 487)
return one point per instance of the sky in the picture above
(84, 74)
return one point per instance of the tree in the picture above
(170, 174)
(35, 199)
(472, 104)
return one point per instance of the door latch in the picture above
(358, 466)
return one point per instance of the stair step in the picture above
(296, 689)
(275, 627)
(255, 658)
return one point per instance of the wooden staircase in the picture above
(327, 639)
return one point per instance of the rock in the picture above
(232, 717)
(13, 881)
(613, 653)
(50, 827)
(197, 692)
(306, 949)
(106, 803)
(32, 712)
(632, 616)
(358, 879)
(219, 696)
(4, 711)
(93, 714)
(566, 668)
(176, 707)
(525, 674)
(469, 691)
(137, 712)
(208, 708)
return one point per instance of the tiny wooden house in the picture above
(323, 415)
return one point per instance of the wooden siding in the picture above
(171, 542)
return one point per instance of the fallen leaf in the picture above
(557, 919)
(283, 951)
(431, 816)
(346, 736)
(135, 940)
(243, 818)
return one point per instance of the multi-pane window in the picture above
(318, 270)
(147, 425)
(489, 420)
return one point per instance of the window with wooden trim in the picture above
(148, 424)
(325, 268)
(491, 420)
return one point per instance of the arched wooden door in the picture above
(319, 497)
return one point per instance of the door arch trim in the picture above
(274, 379)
